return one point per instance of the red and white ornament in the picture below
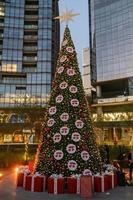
(60, 70)
(72, 165)
(74, 102)
(87, 172)
(70, 72)
(59, 99)
(63, 85)
(85, 155)
(64, 117)
(58, 154)
(64, 42)
(57, 137)
(63, 59)
(73, 89)
(71, 148)
(64, 130)
(70, 49)
(76, 137)
(50, 122)
(79, 124)
(52, 110)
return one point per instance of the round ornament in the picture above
(64, 130)
(85, 155)
(59, 99)
(64, 117)
(63, 59)
(57, 137)
(76, 137)
(70, 49)
(71, 148)
(63, 85)
(74, 102)
(70, 72)
(52, 110)
(64, 42)
(72, 165)
(79, 124)
(73, 89)
(87, 172)
(50, 122)
(58, 154)
(60, 70)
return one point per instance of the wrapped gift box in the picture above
(73, 185)
(101, 183)
(35, 183)
(55, 185)
(86, 186)
(20, 178)
(112, 180)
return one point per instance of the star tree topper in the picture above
(67, 16)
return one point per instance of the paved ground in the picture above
(8, 191)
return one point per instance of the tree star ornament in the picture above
(67, 16)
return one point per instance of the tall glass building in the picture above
(111, 47)
(29, 44)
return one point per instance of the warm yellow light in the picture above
(16, 169)
(1, 175)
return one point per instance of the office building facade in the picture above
(111, 57)
(29, 45)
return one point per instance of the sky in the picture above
(79, 27)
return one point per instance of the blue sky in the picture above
(79, 27)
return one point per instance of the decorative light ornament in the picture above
(52, 110)
(71, 148)
(72, 165)
(57, 137)
(70, 49)
(85, 155)
(73, 89)
(64, 117)
(50, 122)
(79, 124)
(58, 154)
(70, 72)
(76, 137)
(64, 130)
(60, 70)
(74, 102)
(63, 85)
(87, 172)
(59, 98)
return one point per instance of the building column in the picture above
(98, 90)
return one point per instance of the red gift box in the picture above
(31, 165)
(28, 182)
(101, 183)
(20, 178)
(35, 183)
(86, 186)
(112, 179)
(55, 185)
(73, 185)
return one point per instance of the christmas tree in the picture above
(68, 144)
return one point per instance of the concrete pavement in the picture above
(8, 191)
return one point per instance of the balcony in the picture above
(31, 17)
(30, 27)
(30, 37)
(31, 7)
(30, 48)
(29, 59)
